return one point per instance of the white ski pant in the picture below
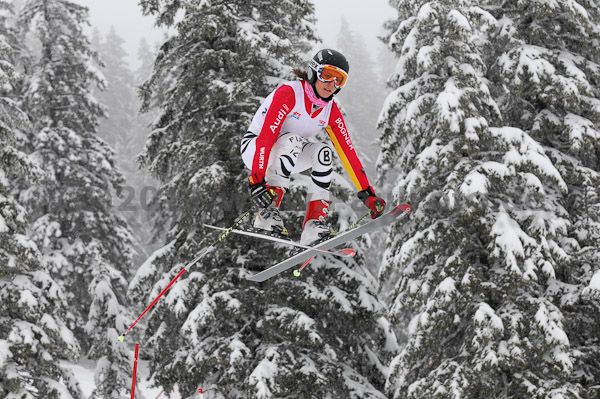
(292, 154)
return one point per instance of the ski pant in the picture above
(292, 154)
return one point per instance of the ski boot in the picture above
(268, 220)
(315, 228)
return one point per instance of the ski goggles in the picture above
(327, 73)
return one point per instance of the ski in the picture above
(282, 241)
(389, 218)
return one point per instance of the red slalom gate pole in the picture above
(239, 221)
(137, 348)
(122, 337)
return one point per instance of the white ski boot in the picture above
(269, 219)
(315, 227)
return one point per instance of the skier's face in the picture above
(325, 89)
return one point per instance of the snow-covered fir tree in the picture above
(143, 121)
(34, 317)
(141, 130)
(119, 95)
(145, 57)
(125, 130)
(314, 337)
(548, 65)
(478, 266)
(84, 245)
(385, 62)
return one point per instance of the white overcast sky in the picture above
(365, 17)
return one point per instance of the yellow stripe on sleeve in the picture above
(343, 157)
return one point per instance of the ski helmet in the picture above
(329, 57)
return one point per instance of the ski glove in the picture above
(375, 204)
(260, 194)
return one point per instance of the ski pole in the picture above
(137, 347)
(121, 337)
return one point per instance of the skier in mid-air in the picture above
(275, 147)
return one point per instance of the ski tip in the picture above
(121, 338)
(348, 252)
(257, 278)
(404, 208)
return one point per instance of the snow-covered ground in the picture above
(84, 372)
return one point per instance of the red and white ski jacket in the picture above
(288, 109)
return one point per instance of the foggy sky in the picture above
(365, 17)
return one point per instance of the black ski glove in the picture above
(260, 194)
(375, 204)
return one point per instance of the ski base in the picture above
(389, 218)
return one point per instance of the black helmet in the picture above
(330, 57)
